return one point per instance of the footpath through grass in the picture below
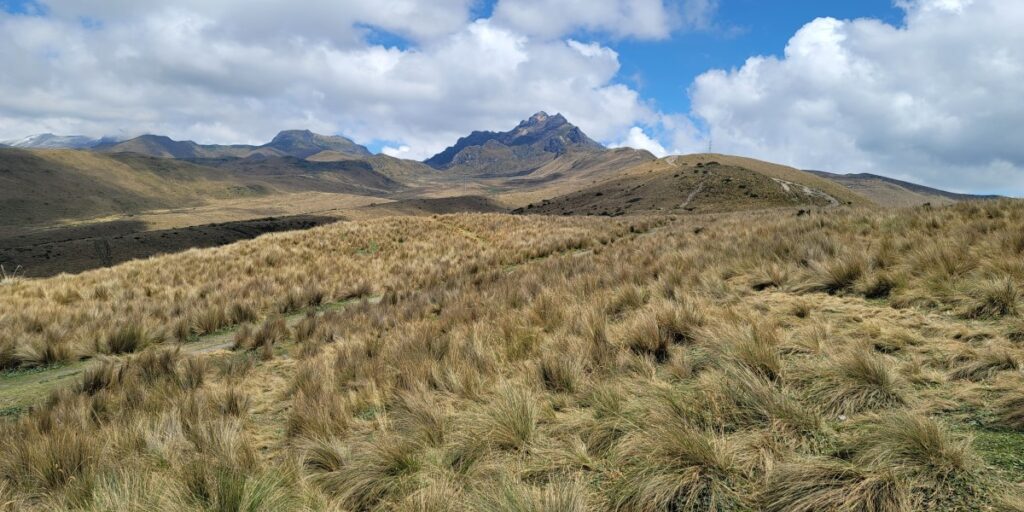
(22, 388)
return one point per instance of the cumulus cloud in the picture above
(934, 100)
(638, 139)
(237, 71)
(645, 19)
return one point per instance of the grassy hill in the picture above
(47, 186)
(697, 183)
(891, 192)
(861, 359)
(43, 187)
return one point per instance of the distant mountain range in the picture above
(544, 154)
(294, 143)
(51, 141)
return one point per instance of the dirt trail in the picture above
(693, 194)
(23, 388)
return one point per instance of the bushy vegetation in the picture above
(755, 361)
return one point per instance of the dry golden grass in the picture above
(741, 362)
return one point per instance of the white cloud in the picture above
(637, 139)
(646, 19)
(936, 100)
(399, 152)
(238, 71)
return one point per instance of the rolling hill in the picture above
(892, 192)
(42, 187)
(679, 185)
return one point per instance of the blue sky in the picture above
(925, 90)
(662, 70)
(665, 69)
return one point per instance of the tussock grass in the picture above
(510, 496)
(837, 274)
(752, 345)
(503, 369)
(511, 421)
(1010, 409)
(854, 382)
(986, 363)
(810, 485)
(992, 298)
(363, 475)
(940, 466)
(671, 467)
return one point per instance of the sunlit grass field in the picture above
(849, 360)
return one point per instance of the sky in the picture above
(924, 90)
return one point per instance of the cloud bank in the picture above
(936, 100)
(238, 71)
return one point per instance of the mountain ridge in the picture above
(893, 192)
(295, 143)
(531, 144)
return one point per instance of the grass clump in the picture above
(939, 467)
(992, 298)
(854, 382)
(673, 467)
(363, 475)
(815, 484)
(986, 363)
(510, 422)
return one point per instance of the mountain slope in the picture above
(295, 143)
(409, 172)
(520, 151)
(45, 186)
(41, 187)
(304, 143)
(679, 186)
(892, 192)
(51, 141)
(160, 146)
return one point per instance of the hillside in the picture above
(294, 143)
(47, 186)
(292, 174)
(520, 151)
(696, 183)
(892, 192)
(304, 143)
(408, 172)
(856, 360)
(51, 141)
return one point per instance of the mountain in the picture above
(161, 146)
(304, 143)
(520, 151)
(294, 143)
(51, 141)
(892, 192)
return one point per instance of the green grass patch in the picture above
(19, 372)
(1003, 449)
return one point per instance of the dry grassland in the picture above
(850, 361)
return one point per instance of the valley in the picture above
(101, 202)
